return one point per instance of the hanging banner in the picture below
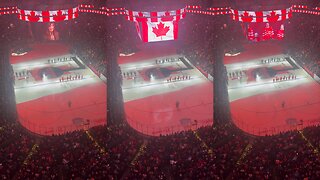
(139, 16)
(158, 31)
(48, 16)
(261, 16)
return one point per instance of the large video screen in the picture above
(51, 33)
(46, 31)
(262, 31)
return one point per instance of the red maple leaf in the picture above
(32, 17)
(59, 16)
(161, 30)
(167, 17)
(246, 18)
(273, 17)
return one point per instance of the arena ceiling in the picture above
(155, 5)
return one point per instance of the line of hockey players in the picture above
(284, 78)
(178, 78)
(236, 74)
(56, 60)
(129, 74)
(273, 59)
(25, 73)
(71, 78)
(164, 60)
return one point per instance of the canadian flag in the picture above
(261, 16)
(159, 31)
(139, 16)
(48, 16)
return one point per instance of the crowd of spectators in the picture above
(190, 155)
(287, 156)
(15, 145)
(303, 39)
(116, 152)
(202, 35)
(98, 40)
(197, 39)
(76, 155)
(89, 39)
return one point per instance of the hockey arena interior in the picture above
(159, 89)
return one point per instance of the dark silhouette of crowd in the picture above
(303, 39)
(88, 41)
(201, 35)
(116, 152)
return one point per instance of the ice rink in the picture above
(165, 93)
(57, 93)
(270, 93)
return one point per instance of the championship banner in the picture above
(48, 16)
(261, 16)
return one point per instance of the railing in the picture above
(275, 129)
(154, 130)
(58, 130)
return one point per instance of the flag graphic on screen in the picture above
(159, 31)
(261, 16)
